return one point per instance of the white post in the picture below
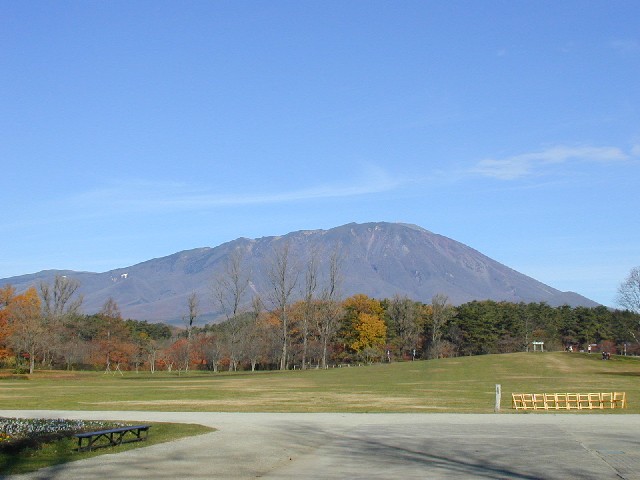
(498, 395)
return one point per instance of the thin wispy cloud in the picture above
(625, 46)
(147, 196)
(526, 164)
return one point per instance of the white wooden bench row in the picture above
(568, 401)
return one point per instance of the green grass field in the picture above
(62, 451)
(465, 384)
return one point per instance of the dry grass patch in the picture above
(465, 384)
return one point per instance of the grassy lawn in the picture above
(465, 384)
(61, 451)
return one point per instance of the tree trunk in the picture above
(324, 352)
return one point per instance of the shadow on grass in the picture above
(28, 455)
(622, 374)
(54, 453)
(202, 375)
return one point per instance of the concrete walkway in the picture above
(366, 446)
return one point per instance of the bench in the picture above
(113, 437)
(568, 401)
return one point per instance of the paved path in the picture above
(369, 446)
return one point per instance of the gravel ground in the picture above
(338, 446)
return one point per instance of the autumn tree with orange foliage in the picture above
(113, 345)
(270, 336)
(256, 339)
(27, 333)
(176, 355)
(6, 296)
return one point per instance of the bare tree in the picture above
(309, 306)
(283, 277)
(60, 302)
(193, 307)
(152, 348)
(110, 309)
(405, 323)
(330, 307)
(255, 335)
(232, 332)
(57, 300)
(211, 349)
(73, 348)
(110, 314)
(253, 347)
(629, 291)
(441, 313)
(230, 288)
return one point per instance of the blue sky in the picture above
(133, 130)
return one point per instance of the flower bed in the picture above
(20, 433)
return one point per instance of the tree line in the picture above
(44, 327)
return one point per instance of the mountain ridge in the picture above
(379, 259)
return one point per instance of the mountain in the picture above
(378, 259)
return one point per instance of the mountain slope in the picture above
(378, 259)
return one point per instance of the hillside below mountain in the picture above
(377, 259)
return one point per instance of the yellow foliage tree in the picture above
(363, 329)
(371, 330)
(364, 304)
